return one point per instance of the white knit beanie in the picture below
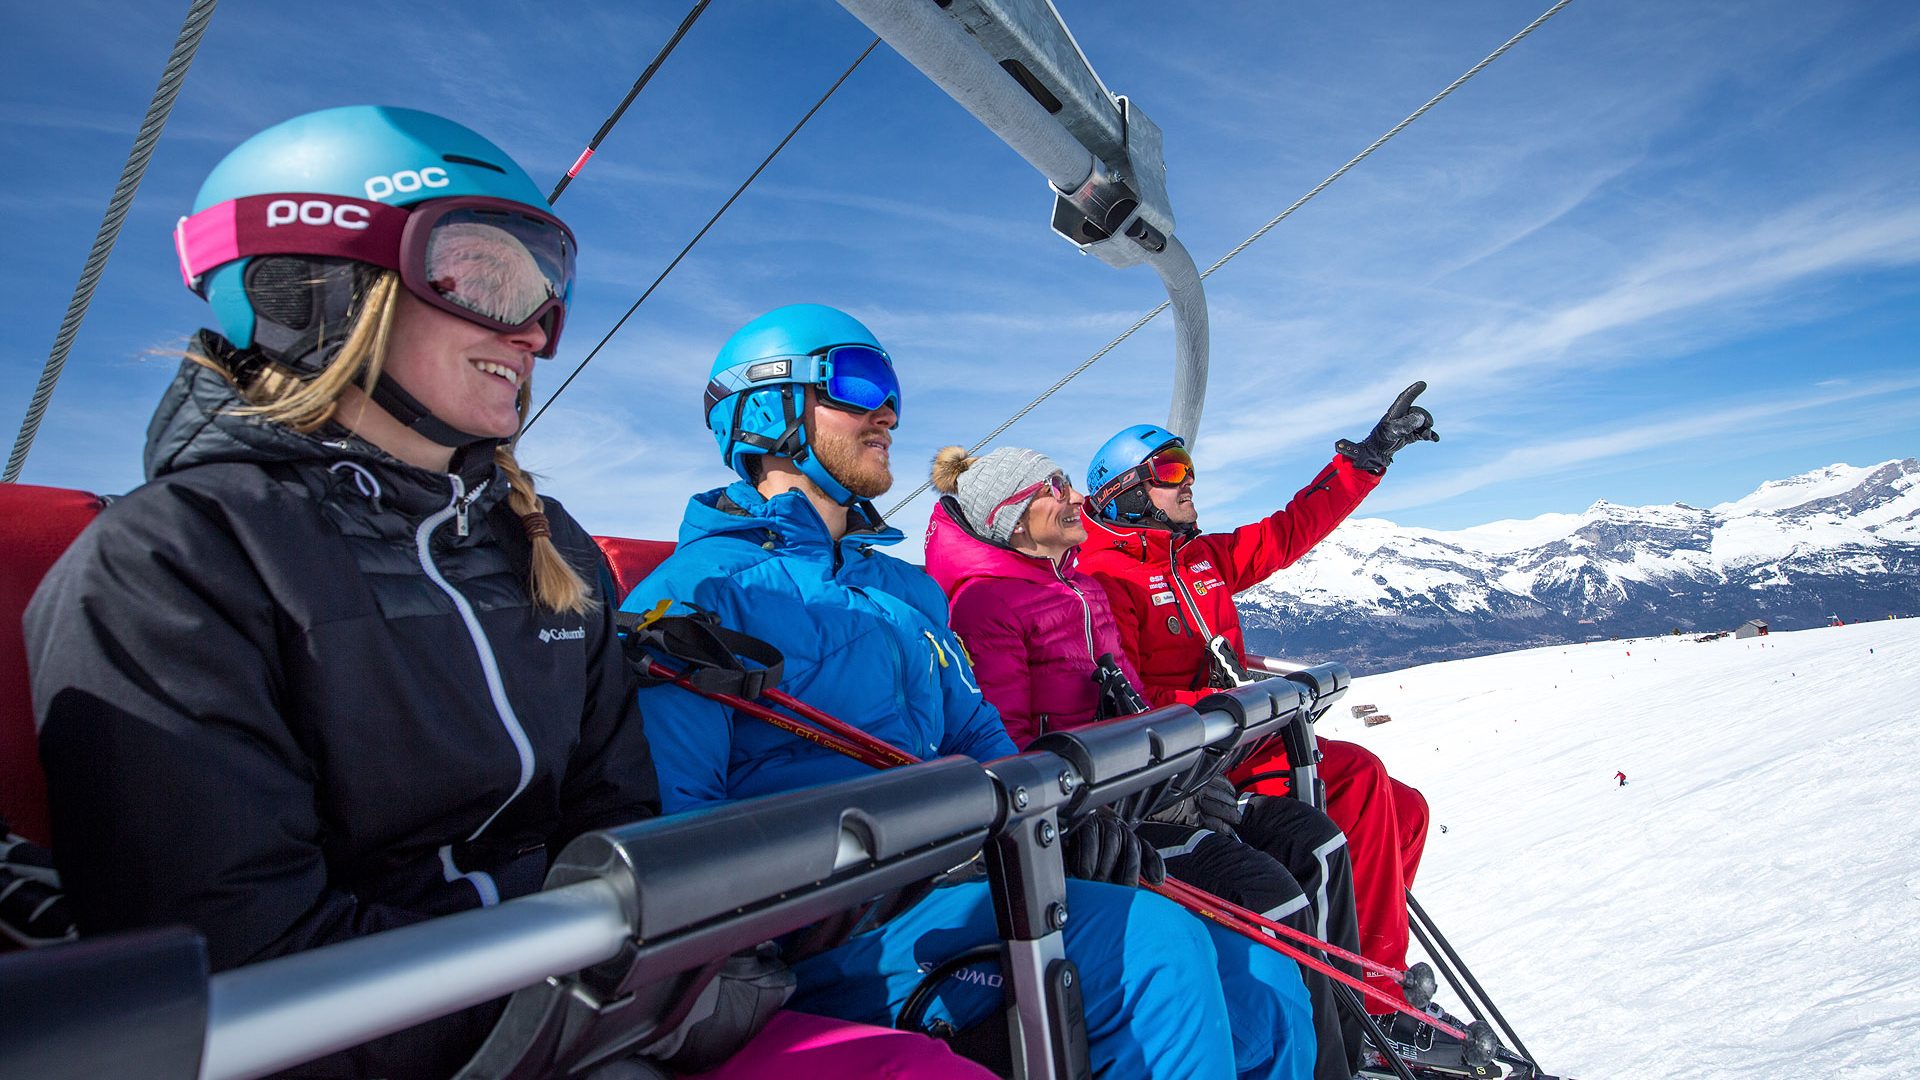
(981, 485)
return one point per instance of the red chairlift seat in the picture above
(36, 525)
(631, 560)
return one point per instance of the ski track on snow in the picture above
(1747, 906)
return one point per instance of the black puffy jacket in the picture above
(292, 691)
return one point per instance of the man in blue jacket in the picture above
(803, 402)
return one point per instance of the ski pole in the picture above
(874, 744)
(830, 740)
(1416, 981)
(838, 735)
(1478, 1043)
(1194, 899)
(1446, 948)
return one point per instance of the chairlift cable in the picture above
(639, 84)
(1242, 246)
(158, 109)
(737, 192)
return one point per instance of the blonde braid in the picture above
(555, 584)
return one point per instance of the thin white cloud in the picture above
(1547, 457)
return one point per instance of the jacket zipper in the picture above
(1086, 612)
(1193, 606)
(489, 665)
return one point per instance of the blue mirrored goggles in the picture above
(855, 378)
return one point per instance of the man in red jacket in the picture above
(1172, 589)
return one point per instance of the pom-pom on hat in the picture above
(985, 487)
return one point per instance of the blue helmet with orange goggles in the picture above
(1125, 464)
(279, 218)
(755, 399)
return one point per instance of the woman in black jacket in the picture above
(337, 667)
(329, 672)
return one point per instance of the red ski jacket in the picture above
(1171, 593)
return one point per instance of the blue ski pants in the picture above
(1166, 994)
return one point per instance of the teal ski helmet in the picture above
(292, 226)
(755, 400)
(1116, 479)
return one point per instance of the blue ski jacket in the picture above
(864, 634)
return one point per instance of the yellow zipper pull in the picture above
(937, 650)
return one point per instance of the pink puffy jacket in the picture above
(1032, 628)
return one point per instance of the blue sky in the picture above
(1657, 253)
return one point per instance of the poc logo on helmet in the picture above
(315, 212)
(406, 180)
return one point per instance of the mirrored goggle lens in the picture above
(1171, 467)
(861, 376)
(500, 264)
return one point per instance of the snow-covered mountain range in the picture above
(1840, 541)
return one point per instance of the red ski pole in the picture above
(1247, 915)
(856, 750)
(836, 734)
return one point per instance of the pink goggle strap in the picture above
(291, 224)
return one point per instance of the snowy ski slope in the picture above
(1747, 906)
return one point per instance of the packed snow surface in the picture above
(1748, 905)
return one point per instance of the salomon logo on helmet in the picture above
(756, 391)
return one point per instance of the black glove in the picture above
(1404, 423)
(1100, 847)
(1215, 806)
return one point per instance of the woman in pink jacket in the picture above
(1003, 551)
(1001, 543)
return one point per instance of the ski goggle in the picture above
(851, 378)
(1167, 467)
(503, 265)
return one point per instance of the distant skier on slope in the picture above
(1622, 777)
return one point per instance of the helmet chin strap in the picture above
(797, 444)
(404, 407)
(1135, 507)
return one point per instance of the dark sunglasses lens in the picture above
(862, 377)
(499, 264)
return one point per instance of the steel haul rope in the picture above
(1242, 245)
(184, 46)
(737, 192)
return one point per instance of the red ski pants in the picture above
(1386, 826)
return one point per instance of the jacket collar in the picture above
(1154, 547)
(196, 423)
(787, 523)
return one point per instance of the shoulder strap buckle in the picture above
(713, 658)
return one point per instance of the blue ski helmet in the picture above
(755, 400)
(1119, 455)
(362, 153)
